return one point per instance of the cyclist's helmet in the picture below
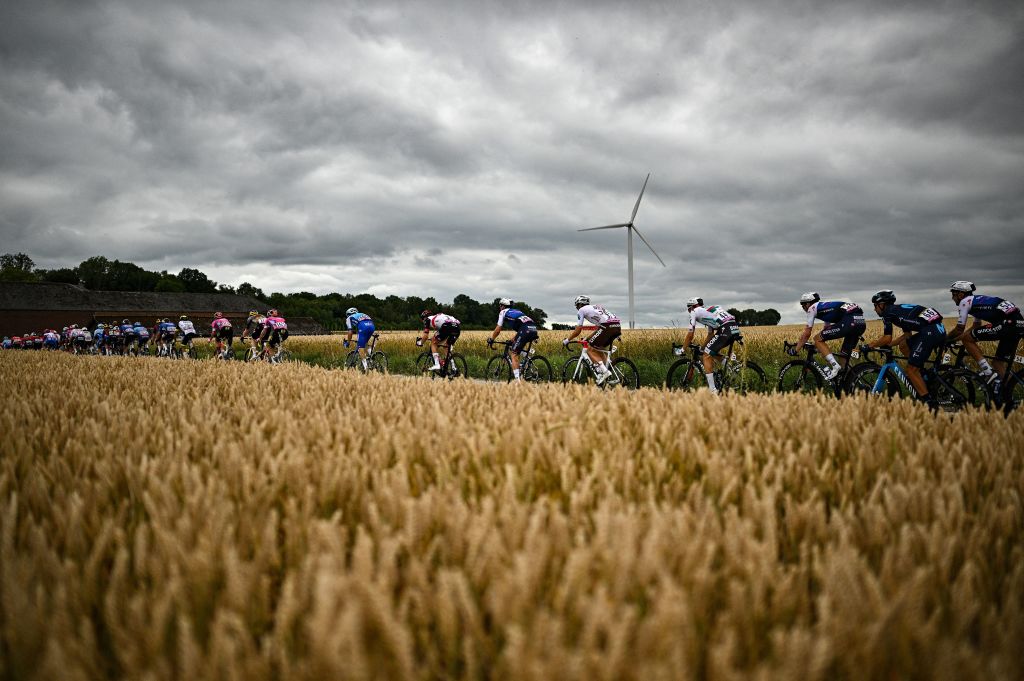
(271, 312)
(505, 302)
(351, 311)
(425, 314)
(101, 325)
(218, 315)
(810, 297)
(581, 301)
(74, 326)
(183, 317)
(125, 321)
(64, 329)
(962, 287)
(694, 302)
(885, 297)
(254, 313)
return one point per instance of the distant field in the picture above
(205, 520)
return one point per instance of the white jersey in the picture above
(713, 317)
(440, 319)
(595, 314)
(186, 327)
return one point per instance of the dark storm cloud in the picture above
(793, 146)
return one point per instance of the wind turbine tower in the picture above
(630, 229)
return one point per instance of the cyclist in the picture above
(609, 327)
(842, 320)
(51, 340)
(275, 330)
(448, 329)
(129, 339)
(7, 343)
(80, 338)
(253, 327)
(167, 334)
(141, 336)
(722, 331)
(923, 332)
(100, 337)
(524, 326)
(221, 331)
(362, 324)
(1002, 323)
(114, 337)
(188, 331)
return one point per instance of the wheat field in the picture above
(202, 520)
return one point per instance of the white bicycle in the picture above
(581, 369)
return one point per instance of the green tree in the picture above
(93, 273)
(63, 275)
(196, 282)
(16, 267)
(169, 283)
(247, 289)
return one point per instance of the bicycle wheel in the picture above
(957, 389)
(624, 375)
(536, 370)
(573, 372)
(798, 377)
(498, 369)
(457, 367)
(423, 364)
(681, 375)
(378, 362)
(352, 360)
(864, 377)
(746, 378)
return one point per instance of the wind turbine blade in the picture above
(650, 247)
(637, 206)
(591, 229)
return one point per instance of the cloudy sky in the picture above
(429, 148)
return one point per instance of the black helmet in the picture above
(885, 297)
(425, 314)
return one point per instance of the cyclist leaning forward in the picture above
(253, 327)
(361, 324)
(1003, 323)
(221, 331)
(275, 330)
(722, 332)
(525, 328)
(923, 333)
(599, 343)
(842, 320)
(447, 330)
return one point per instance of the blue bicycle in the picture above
(954, 389)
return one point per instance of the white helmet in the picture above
(351, 311)
(505, 302)
(962, 287)
(693, 302)
(581, 301)
(810, 297)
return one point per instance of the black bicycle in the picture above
(453, 365)
(1010, 393)
(808, 375)
(733, 374)
(376, 360)
(953, 389)
(533, 368)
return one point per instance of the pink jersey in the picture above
(275, 323)
(221, 323)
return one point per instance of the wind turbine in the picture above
(630, 228)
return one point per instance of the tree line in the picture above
(393, 312)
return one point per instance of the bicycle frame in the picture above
(586, 361)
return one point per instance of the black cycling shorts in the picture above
(726, 335)
(448, 332)
(277, 336)
(226, 333)
(526, 334)
(1007, 335)
(850, 328)
(923, 343)
(605, 335)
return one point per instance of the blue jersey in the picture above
(168, 329)
(833, 311)
(909, 317)
(358, 320)
(98, 335)
(513, 319)
(127, 329)
(141, 331)
(986, 308)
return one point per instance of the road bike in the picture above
(375, 359)
(1010, 391)
(733, 374)
(808, 375)
(953, 389)
(533, 368)
(453, 365)
(621, 374)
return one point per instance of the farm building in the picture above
(34, 306)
